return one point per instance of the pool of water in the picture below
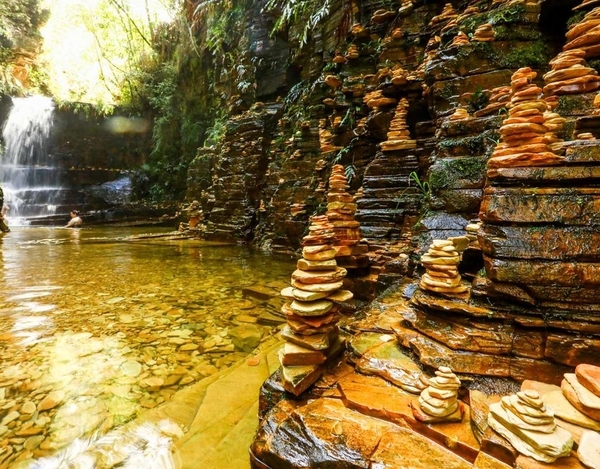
(98, 324)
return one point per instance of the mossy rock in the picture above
(575, 104)
(457, 173)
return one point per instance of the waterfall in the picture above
(28, 176)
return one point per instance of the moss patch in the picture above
(447, 172)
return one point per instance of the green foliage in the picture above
(533, 54)
(478, 99)
(20, 21)
(576, 18)
(423, 186)
(302, 14)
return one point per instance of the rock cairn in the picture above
(460, 39)
(529, 426)
(499, 98)
(585, 34)
(447, 14)
(398, 137)
(472, 229)
(582, 390)
(570, 74)
(459, 114)
(311, 332)
(439, 401)
(522, 134)
(341, 210)
(441, 263)
(484, 33)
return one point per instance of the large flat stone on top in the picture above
(589, 376)
(323, 276)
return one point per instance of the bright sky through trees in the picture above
(92, 46)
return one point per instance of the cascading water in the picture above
(30, 180)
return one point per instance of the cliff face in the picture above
(332, 99)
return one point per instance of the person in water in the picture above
(75, 220)
(3, 209)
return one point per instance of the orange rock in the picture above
(591, 36)
(581, 28)
(511, 129)
(532, 148)
(525, 159)
(589, 376)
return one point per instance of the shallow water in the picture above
(97, 325)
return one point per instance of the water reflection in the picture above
(97, 327)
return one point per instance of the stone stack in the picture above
(340, 213)
(439, 401)
(441, 263)
(499, 98)
(398, 136)
(554, 123)
(472, 229)
(484, 33)
(459, 114)
(529, 426)
(522, 134)
(447, 14)
(582, 390)
(570, 74)
(460, 39)
(585, 35)
(311, 333)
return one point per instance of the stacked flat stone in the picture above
(326, 139)
(447, 14)
(522, 134)
(441, 263)
(398, 134)
(484, 33)
(582, 390)
(430, 52)
(554, 123)
(459, 114)
(399, 76)
(472, 229)
(311, 333)
(529, 426)
(460, 39)
(376, 99)
(341, 209)
(570, 74)
(467, 13)
(439, 402)
(499, 98)
(585, 34)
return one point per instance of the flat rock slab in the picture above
(375, 397)
(325, 434)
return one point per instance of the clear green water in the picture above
(97, 326)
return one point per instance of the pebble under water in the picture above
(98, 324)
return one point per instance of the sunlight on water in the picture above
(97, 326)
